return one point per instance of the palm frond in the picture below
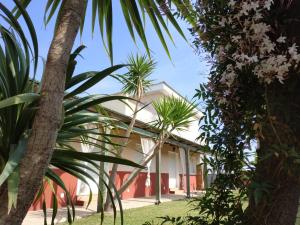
(173, 113)
(136, 81)
(134, 11)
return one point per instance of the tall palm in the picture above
(135, 83)
(47, 119)
(173, 114)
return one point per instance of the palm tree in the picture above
(48, 117)
(135, 83)
(174, 114)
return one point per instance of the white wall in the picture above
(134, 153)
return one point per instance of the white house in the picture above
(180, 167)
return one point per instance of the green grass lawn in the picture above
(140, 215)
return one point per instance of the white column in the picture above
(182, 162)
(147, 148)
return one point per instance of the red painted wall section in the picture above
(71, 185)
(138, 187)
(193, 182)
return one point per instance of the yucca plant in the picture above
(19, 95)
(135, 83)
(78, 113)
(173, 113)
(17, 101)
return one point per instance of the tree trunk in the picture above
(102, 192)
(4, 201)
(114, 169)
(49, 116)
(276, 202)
(278, 164)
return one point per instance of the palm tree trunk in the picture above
(4, 201)
(48, 118)
(114, 169)
(102, 192)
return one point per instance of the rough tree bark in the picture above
(4, 200)
(279, 153)
(278, 166)
(48, 118)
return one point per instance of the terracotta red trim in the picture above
(71, 185)
(138, 187)
(193, 182)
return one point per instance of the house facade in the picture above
(179, 165)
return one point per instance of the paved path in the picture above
(37, 217)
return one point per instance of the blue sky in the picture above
(184, 72)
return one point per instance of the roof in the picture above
(166, 89)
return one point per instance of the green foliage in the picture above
(16, 97)
(243, 114)
(171, 220)
(77, 115)
(134, 13)
(173, 113)
(136, 81)
(226, 129)
(224, 200)
(231, 128)
(74, 130)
